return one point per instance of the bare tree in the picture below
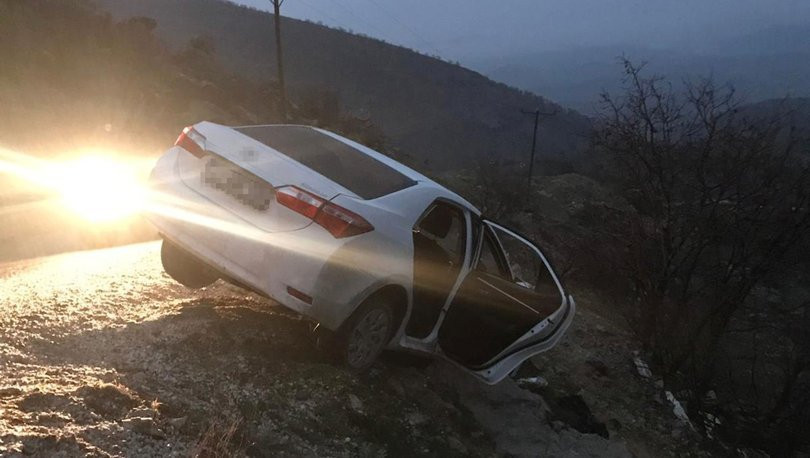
(498, 188)
(723, 195)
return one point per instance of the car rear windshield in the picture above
(354, 170)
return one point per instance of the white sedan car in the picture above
(361, 244)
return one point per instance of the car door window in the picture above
(476, 228)
(489, 261)
(453, 241)
(445, 227)
(527, 268)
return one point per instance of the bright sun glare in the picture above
(98, 188)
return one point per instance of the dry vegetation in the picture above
(697, 228)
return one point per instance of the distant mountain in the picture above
(797, 109)
(772, 40)
(795, 112)
(771, 63)
(441, 114)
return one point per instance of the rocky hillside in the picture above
(115, 359)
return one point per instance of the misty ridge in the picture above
(768, 64)
(568, 51)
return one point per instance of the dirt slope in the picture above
(102, 355)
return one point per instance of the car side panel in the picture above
(342, 287)
(365, 263)
(380, 258)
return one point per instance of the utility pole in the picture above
(536, 112)
(279, 57)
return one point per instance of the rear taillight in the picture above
(191, 141)
(341, 222)
(299, 200)
(334, 218)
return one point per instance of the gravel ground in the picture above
(102, 355)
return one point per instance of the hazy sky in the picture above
(471, 29)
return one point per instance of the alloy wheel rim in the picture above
(368, 337)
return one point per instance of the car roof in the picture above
(422, 180)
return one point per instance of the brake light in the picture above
(339, 221)
(191, 141)
(299, 200)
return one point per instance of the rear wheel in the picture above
(185, 268)
(366, 334)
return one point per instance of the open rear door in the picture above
(510, 307)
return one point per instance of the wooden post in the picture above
(280, 57)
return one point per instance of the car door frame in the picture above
(428, 344)
(541, 337)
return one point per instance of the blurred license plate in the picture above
(237, 182)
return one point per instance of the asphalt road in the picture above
(101, 354)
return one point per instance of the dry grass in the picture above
(221, 439)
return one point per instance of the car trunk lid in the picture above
(240, 174)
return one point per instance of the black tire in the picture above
(365, 335)
(185, 268)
